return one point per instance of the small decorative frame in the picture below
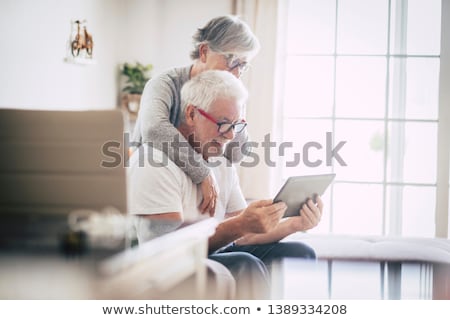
(80, 46)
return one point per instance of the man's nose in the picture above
(236, 72)
(229, 134)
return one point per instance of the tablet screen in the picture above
(298, 189)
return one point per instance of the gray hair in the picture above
(208, 86)
(226, 34)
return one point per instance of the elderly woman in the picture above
(224, 43)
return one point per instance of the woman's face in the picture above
(218, 61)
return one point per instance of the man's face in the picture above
(208, 140)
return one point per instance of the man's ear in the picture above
(202, 51)
(190, 114)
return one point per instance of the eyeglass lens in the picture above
(238, 127)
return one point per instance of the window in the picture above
(368, 72)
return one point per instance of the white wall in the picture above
(160, 32)
(34, 35)
(33, 46)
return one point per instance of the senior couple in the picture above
(201, 106)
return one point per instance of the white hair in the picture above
(226, 34)
(202, 90)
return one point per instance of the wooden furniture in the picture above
(156, 269)
(153, 269)
(57, 165)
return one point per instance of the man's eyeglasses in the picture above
(224, 127)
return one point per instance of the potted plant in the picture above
(137, 76)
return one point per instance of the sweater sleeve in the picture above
(154, 127)
(237, 148)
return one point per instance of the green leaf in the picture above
(137, 76)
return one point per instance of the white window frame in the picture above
(443, 172)
(394, 227)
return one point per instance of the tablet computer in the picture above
(298, 189)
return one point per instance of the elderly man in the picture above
(246, 239)
(223, 43)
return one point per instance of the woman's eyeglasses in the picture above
(233, 63)
(224, 127)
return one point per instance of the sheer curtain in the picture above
(257, 176)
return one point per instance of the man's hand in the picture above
(262, 216)
(259, 219)
(310, 215)
(210, 190)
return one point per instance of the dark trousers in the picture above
(250, 264)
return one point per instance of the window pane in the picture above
(303, 133)
(414, 88)
(309, 86)
(363, 151)
(311, 26)
(412, 155)
(419, 205)
(360, 87)
(423, 27)
(357, 208)
(417, 209)
(362, 26)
